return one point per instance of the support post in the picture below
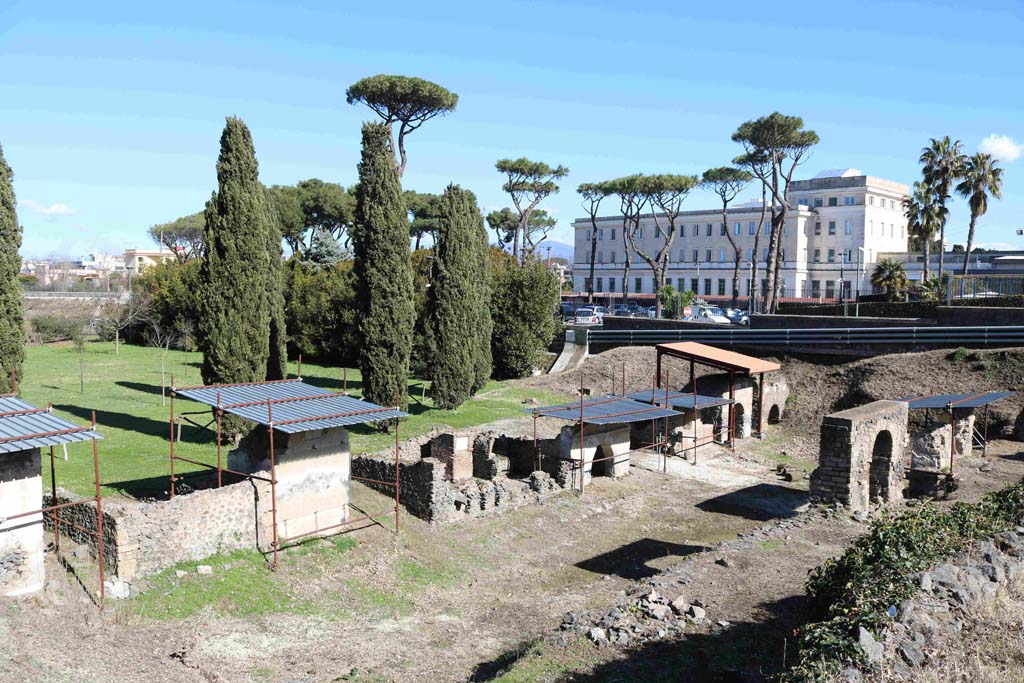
(760, 406)
(219, 412)
(273, 479)
(172, 436)
(53, 501)
(657, 365)
(398, 482)
(298, 370)
(536, 447)
(344, 381)
(696, 410)
(99, 511)
(732, 409)
(952, 439)
(583, 456)
(984, 436)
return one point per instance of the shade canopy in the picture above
(290, 406)
(605, 411)
(942, 401)
(679, 399)
(23, 426)
(716, 358)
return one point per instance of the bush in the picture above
(523, 303)
(51, 328)
(320, 311)
(877, 573)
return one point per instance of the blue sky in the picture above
(110, 113)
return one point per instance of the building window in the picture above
(737, 229)
(750, 256)
(721, 287)
(668, 282)
(848, 256)
(892, 230)
(767, 227)
(710, 228)
(831, 255)
(587, 238)
(871, 201)
(611, 284)
(640, 232)
(752, 228)
(817, 255)
(657, 231)
(600, 257)
(871, 227)
(818, 202)
(815, 288)
(639, 285)
(848, 227)
(611, 257)
(613, 234)
(817, 227)
(707, 286)
(721, 254)
(830, 289)
(764, 254)
(849, 201)
(833, 201)
(707, 255)
(600, 285)
(831, 227)
(586, 257)
(600, 234)
(586, 284)
(892, 204)
(696, 231)
(681, 254)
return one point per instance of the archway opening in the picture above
(881, 463)
(774, 414)
(604, 462)
(739, 412)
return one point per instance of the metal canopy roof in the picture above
(24, 426)
(716, 358)
(957, 400)
(296, 406)
(608, 410)
(678, 399)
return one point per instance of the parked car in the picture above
(587, 316)
(636, 310)
(601, 312)
(708, 314)
(567, 311)
(621, 310)
(652, 312)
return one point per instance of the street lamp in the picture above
(861, 262)
(750, 289)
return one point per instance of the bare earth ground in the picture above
(473, 600)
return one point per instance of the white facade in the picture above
(839, 223)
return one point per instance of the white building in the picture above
(840, 222)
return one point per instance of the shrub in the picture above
(51, 328)
(524, 303)
(877, 573)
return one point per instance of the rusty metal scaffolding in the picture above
(277, 543)
(53, 511)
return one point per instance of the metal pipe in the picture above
(99, 509)
(53, 501)
(225, 385)
(171, 422)
(398, 480)
(696, 410)
(732, 409)
(952, 440)
(273, 479)
(984, 436)
(219, 413)
(760, 406)
(298, 371)
(344, 381)
(536, 447)
(12, 413)
(583, 454)
(372, 481)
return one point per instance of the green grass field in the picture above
(125, 391)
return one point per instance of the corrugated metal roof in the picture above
(678, 399)
(21, 432)
(941, 401)
(310, 407)
(608, 410)
(718, 358)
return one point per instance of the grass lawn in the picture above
(125, 391)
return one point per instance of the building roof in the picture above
(605, 411)
(839, 173)
(717, 358)
(293, 405)
(679, 399)
(942, 401)
(24, 426)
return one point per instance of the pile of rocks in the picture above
(639, 618)
(940, 608)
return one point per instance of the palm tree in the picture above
(981, 177)
(923, 215)
(889, 275)
(943, 162)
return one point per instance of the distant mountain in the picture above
(558, 249)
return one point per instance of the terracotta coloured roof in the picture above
(718, 358)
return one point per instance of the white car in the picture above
(587, 316)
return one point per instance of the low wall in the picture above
(623, 323)
(21, 539)
(979, 316)
(788, 321)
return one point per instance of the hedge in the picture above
(877, 573)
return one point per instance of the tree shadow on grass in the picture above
(760, 502)
(140, 386)
(630, 561)
(748, 652)
(109, 418)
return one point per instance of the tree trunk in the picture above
(419, 236)
(81, 369)
(625, 262)
(970, 242)
(780, 283)
(117, 340)
(927, 256)
(593, 259)
(942, 247)
(768, 296)
(752, 294)
(736, 279)
(163, 381)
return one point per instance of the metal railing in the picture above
(941, 337)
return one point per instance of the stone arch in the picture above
(774, 414)
(741, 420)
(603, 464)
(881, 464)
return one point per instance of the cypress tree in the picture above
(480, 304)
(525, 299)
(240, 274)
(451, 300)
(12, 315)
(383, 272)
(277, 360)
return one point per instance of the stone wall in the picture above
(21, 540)
(776, 393)
(862, 455)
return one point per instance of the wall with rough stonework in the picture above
(21, 540)
(851, 468)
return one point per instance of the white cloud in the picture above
(52, 210)
(1002, 147)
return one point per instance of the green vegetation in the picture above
(458, 319)
(981, 178)
(523, 311)
(241, 307)
(527, 184)
(890, 276)
(383, 273)
(12, 314)
(124, 389)
(727, 182)
(877, 571)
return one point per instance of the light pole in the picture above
(750, 289)
(842, 266)
(860, 278)
(697, 292)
